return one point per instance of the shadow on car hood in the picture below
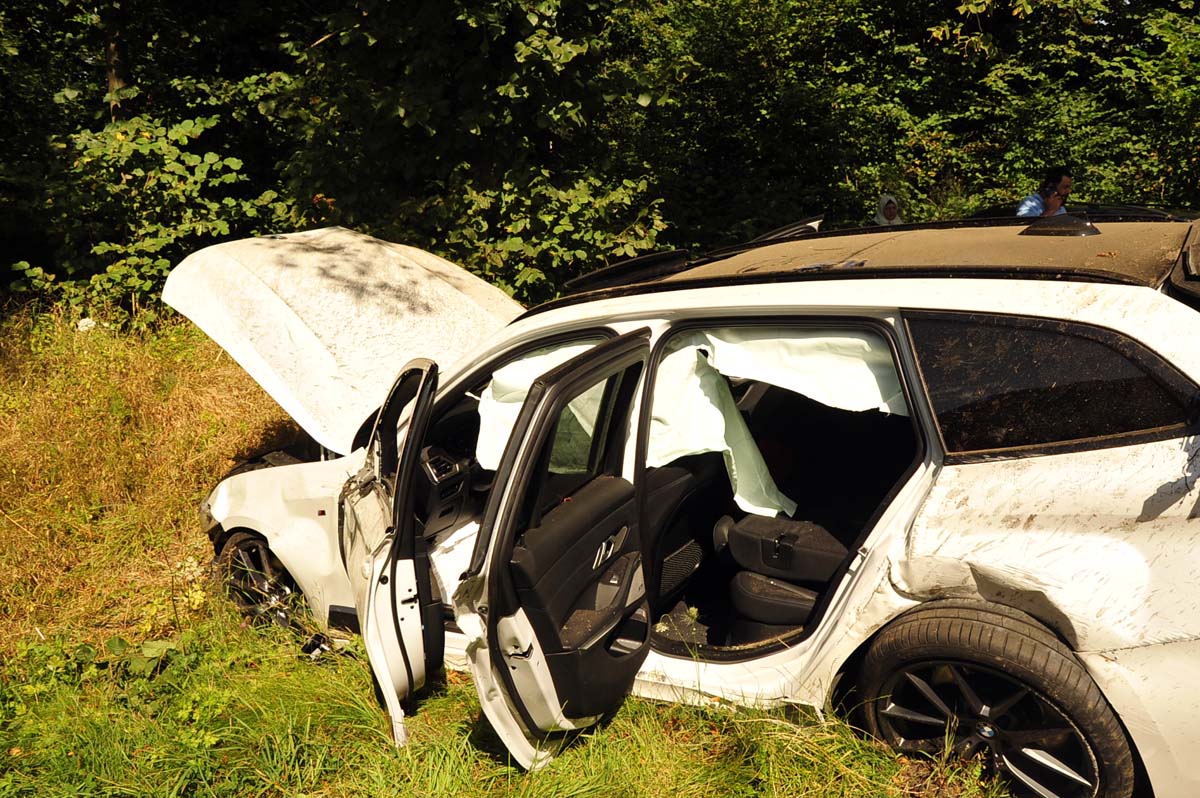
(324, 319)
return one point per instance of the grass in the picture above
(107, 443)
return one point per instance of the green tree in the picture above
(533, 140)
(126, 161)
(465, 128)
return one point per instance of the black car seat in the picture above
(784, 565)
(682, 499)
(838, 465)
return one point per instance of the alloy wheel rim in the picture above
(260, 584)
(972, 710)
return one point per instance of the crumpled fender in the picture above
(294, 508)
(1101, 546)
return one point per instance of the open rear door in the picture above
(385, 555)
(554, 602)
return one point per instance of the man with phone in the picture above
(1050, 197)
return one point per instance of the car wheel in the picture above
(985, 680)
(255, 579)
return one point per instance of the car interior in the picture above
(722, 580)
(729, 579)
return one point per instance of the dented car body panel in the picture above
(1094, 538)
(294, 508)
(1096, 544)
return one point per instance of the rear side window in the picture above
(588, 442)
(1008, 382)
(574, 434)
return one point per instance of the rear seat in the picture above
(682, 497)
(782, 561)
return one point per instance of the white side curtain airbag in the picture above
(694, 410)
(500, 403)
(850, 370)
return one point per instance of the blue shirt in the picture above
(1035, 205)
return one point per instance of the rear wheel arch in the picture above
(1050, 618)
(986, 637)
(842, 694)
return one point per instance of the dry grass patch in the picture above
(108, 441)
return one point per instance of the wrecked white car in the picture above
(951, 470)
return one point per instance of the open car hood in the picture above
(323, 319)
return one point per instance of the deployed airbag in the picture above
(694, 408)
(500, 402)
(848, 369)
(695, 412)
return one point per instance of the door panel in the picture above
(412, 592)
(384, 554)
(561, 604)
(553, 564)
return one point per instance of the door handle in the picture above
(604, 552)
(610, 545)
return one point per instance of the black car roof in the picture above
(1134, 253)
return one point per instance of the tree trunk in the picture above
(116, 59)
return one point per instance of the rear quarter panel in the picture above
(1102, 546)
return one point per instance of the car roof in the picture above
(1133, 253)
(1141, 253)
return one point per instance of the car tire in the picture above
(255, 580)
(982, 679)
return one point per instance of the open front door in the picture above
(384, 554)
(554, 602)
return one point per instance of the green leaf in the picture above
(157, 648)
(65, 95)
(140, 665)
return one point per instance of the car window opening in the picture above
(769, 452)
(463, 449)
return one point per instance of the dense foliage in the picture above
(532, 140)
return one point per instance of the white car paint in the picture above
(295, 508)
(1153, 690)
(1105, 572)
(321, 319)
